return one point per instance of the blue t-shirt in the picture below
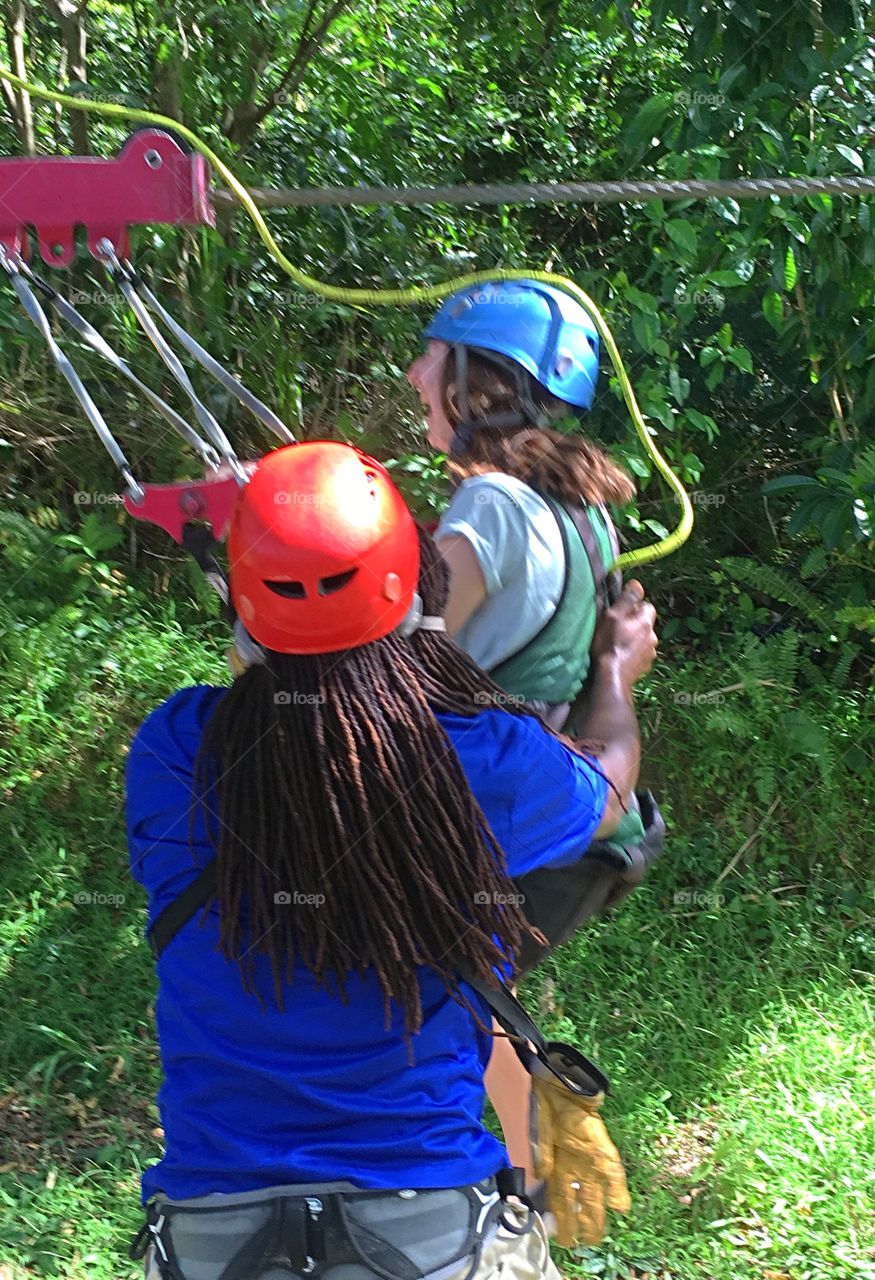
(255, 1098)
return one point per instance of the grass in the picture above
(734, 1015)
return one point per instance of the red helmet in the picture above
(323, 552)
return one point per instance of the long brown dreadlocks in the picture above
(346, 835)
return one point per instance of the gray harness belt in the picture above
(333, 1231)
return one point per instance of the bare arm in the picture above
(467, 584)
(611, 720)
(623, 650)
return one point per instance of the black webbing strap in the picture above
(506, 1009)
(551, 1055)
(607, 585)
(178, 912)
(200, 544)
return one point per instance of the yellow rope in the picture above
(405, 297)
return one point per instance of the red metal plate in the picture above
(152, 180)
(171, 506)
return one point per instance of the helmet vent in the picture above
(328, 586)
(289, 590)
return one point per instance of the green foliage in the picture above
(748, 324)
(779, 586)
(749, 332)
(838, 500)
(737, 1004)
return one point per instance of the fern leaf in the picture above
(784, 654)
(842, 668)
(814, 563)
(773, 582)
(860, 616)
(865, 465)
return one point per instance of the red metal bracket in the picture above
(171, 506)
(151, 180)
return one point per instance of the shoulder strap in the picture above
(538, 1055)
(507, 1010)
(177, 913)
(608, 585)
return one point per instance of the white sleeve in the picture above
(486, 514)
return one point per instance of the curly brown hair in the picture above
(567, 467)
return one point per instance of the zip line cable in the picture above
(553, 192)
(435, 292)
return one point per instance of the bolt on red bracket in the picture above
(173, 506)
(153, 179)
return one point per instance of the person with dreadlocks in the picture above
(329, 909)
(527, 537)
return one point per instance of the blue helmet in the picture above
(538, 326)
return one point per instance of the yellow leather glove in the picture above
(580, 1164)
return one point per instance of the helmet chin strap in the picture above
(416, 620)
(246, 652)
(249, 651)
(529, 416)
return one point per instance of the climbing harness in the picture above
(314, 1229)
(391, 297)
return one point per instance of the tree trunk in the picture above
(71, 18)
(165, 81)
(22, 112)
(247, 116)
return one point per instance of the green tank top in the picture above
(553, 665)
